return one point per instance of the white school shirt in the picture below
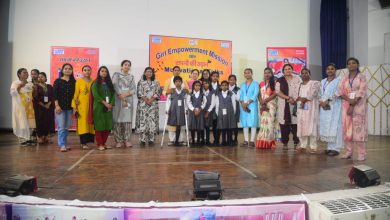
(212, 104)
(238, 92)
(168, 102)
(189, 103)
(224, 94)
(214, 85)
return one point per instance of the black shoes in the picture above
(332, 153)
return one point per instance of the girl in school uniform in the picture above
(225, 108)
(209, 109)
(215, 88)
(236, 90)
(196, 103)
(176, 108)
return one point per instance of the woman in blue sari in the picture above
(330, 112)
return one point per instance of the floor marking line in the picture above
(235, 163)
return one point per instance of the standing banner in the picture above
(278, 56)
(77, 57)
(165, 52)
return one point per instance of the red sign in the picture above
(278, 56)
(77, 56)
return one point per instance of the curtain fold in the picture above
(333, 27)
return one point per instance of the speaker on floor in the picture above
(364, 176)
(207, 185)
(19, 184)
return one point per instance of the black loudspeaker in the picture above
(364, 176)
(384, 3)
(19, 184)
(207, 185)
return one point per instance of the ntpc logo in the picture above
(58, 51)
(156, 40)
(225, 44)
(273, 52)
(193, 42)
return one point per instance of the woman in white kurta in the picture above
(330, 127)
(23, 117)
(307, 112)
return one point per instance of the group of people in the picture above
(333, 110)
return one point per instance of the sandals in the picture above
(245, 144)
(84, 147)
(346, 156)
(107, 146)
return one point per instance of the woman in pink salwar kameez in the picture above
(353, 91)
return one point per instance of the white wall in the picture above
(378, 25)
(120, 28)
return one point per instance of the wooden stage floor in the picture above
(151, 173)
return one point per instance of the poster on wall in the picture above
(278, 56)
(165, 52)
(77, 57)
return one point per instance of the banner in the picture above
(77, 57)
(48, 212)
(165, 52)
(294, 210)
(285, 211)
(278, 56)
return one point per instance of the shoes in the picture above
(107, 147)
(118, 145)
(63, 149)
(332, 153)
(312, 151)
(245, 144)
(251, 144)
(84, 147)
(171, 143)
(101, 148)
(361, 158)
(346, 156)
